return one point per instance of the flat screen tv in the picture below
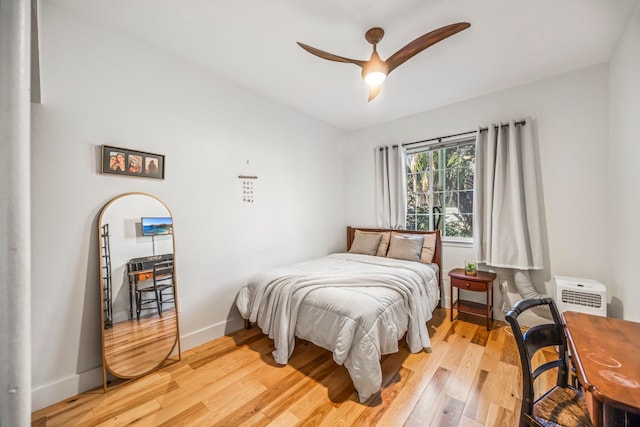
(156, 226)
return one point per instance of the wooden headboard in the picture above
(437, 255)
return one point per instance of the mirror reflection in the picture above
(138, 285)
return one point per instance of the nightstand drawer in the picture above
(468, 285)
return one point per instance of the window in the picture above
(440, 188)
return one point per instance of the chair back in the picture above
(534, 339)
(164, 280)
(163, 273)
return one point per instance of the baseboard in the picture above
(48, 394)
(55, 392)
(210, 333)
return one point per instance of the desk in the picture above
(141, 269)
(605, 354)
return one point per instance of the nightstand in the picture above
(481, 282)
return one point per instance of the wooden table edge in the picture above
(588, 386)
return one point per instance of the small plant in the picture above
(470, 268)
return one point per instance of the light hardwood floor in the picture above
(135, 346)
(471, 378)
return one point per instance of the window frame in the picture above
(440, 145)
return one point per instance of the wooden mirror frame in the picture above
(168, 341)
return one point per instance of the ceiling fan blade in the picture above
(330, 56)
(374, 91)
(423, 42)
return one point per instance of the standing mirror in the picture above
(138, 294)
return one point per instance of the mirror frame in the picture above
(105, 365)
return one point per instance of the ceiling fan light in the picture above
(375, 78)
(375, 70)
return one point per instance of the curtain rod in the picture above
(521, 122)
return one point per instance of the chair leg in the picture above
(161, 299)
(158, 302)
(138, 303)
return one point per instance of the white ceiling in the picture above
(253, 42)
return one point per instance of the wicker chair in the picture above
(562, 405)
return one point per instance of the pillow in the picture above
(384, 242)
(428, 245)
(428, 248)
(366, 244)
(405, 246)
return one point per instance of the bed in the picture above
(357, 304)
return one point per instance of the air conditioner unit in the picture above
(581, 295)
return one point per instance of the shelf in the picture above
(471, 307)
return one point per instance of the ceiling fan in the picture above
(375, 70)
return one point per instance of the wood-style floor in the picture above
(135, 346)
(471, 378)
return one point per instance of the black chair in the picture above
(153, 294)
(562, 405)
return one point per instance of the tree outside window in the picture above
(440, 189)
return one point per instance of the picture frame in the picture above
(123, 161)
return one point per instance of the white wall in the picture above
(624, 201)
(99, 87)
(570, 116)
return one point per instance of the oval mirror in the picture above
(138, 285)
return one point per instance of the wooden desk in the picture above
(606, 356)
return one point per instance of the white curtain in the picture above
(507, 227)
(390, 187)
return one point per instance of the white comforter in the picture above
(356, 306)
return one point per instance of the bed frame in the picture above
(437, 255)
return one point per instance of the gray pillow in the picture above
(405, 247)
(366, 244)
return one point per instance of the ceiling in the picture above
(253, 43)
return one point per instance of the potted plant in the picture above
(470, 268)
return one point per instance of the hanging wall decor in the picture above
(122, 161)
(247, 178)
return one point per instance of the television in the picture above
(156, 226)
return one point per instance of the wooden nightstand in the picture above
(481, 282)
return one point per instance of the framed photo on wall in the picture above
(122, 161)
